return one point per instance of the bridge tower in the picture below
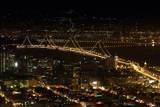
(115, 63)
(110, 63)
(3, 53)
(76, 80)
(109, 60)
(3, 59)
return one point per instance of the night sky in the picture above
(144, 12)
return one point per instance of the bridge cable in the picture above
(108, 53)
(53, 42)
(45, 40)
(95, 46)
(74, 43)
(50, 43)
(66, 43)
(102, 50)
(77, 43)
(27, 39)
(41, 42)
(70, 39)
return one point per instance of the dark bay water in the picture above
(140, 54)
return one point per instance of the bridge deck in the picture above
(67, 49)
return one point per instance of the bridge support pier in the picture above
(110, 63)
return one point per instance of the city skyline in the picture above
(79, 54)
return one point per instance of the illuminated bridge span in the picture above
(76, 49)
(138, 69)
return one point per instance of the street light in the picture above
(145, 63)
(16, 64)
(94, 82)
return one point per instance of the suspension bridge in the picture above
(104, 54)
(76, 48)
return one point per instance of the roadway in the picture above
(138, 69)
(67, 49)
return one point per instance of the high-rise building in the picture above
(7, 61)
(3, 59)
(76, 79)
